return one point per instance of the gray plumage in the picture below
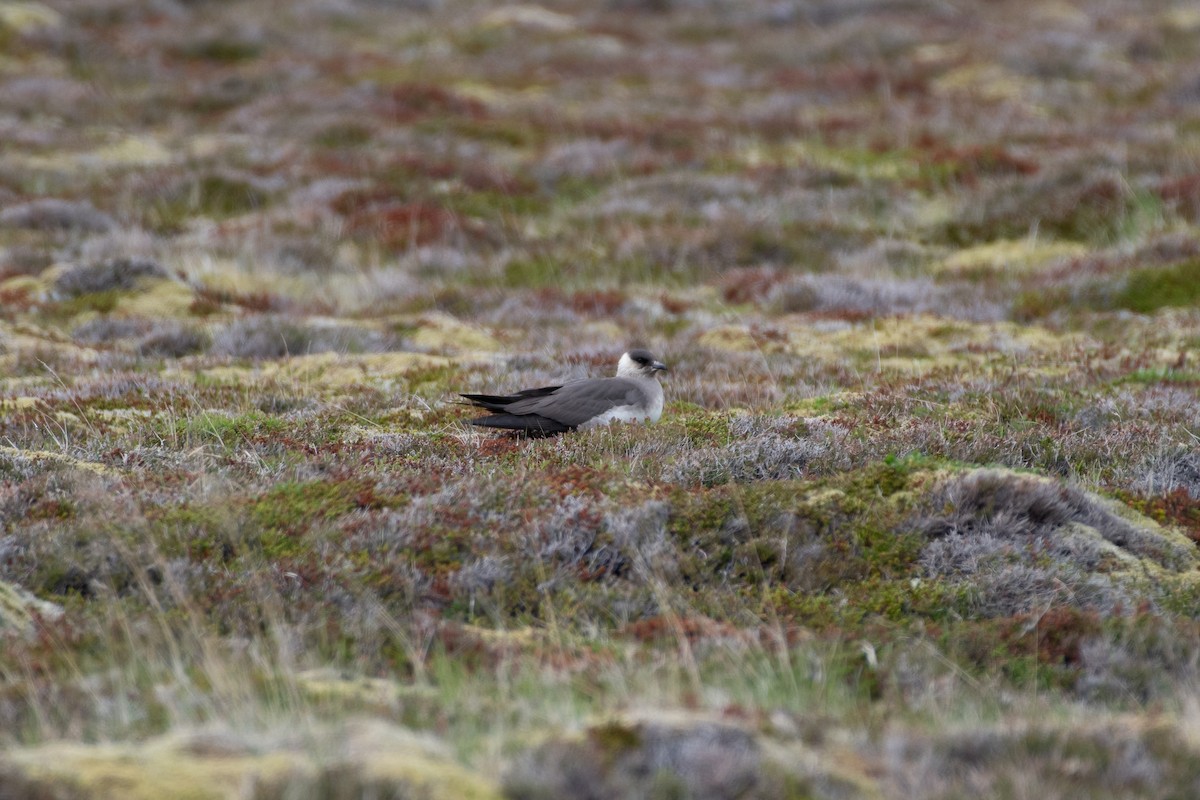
(634, 395)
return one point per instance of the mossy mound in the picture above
(668, 754)
(365, 759)
(1148, 290)
(671, 754)
(1105, 759)
(1020, 543)
(443, 333)
(25, 17)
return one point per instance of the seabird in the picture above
(635, 395)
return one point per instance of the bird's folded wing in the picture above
(580, 402)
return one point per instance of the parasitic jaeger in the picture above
(634, 395)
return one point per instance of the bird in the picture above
(634, 395)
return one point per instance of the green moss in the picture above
(1183, 377)
(343, 134)
(615, 737)
(226, 49)
(1031, 304)
(211, 195)
(220, 196)
(200, 532)
(535, 273)
(100, 302)
(291, 507)
(574, 271)
(696, 512)
(888, 553)
(1148, 290)
(478, 40)
(885, 478)
(498, 131)
(908, 601)
(705, 429)
(228, 431)
(496, 204)
(1074, 208)
(666, 784)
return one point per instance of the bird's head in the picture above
(639, 364)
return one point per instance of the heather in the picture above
(920, 519)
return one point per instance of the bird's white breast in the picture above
(632, 413)
(656, 401)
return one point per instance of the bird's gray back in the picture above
(577, 403)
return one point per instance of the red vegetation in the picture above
(400, 224)
(1176, 507)
(673, 305)
(852, 79)
(410, 102)
(16, 299)
(750, 284)
(499, 446)
(599, 302)
(209, 300)
(693, 628)
(576, 479)
(475, 176)
(1053, 638)
(1184, 194)
(1060, 633)
(968, 164)
(596, 302)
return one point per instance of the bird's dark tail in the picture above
(492, 402)
(498, 402)
(529, 424)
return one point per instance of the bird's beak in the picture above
(659, 366)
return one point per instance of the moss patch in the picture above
(364, 758)
(1148, 290)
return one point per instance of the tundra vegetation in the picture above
(921, 517)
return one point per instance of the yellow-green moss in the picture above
(131, 151)
(990, 82)
(165, 299)
(529, 18)
(1148, 290)
(1013, 255)
(327, 372)
(917, 343)
(442, 333)
(375, 757)
(61, 459)
(24, 17)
